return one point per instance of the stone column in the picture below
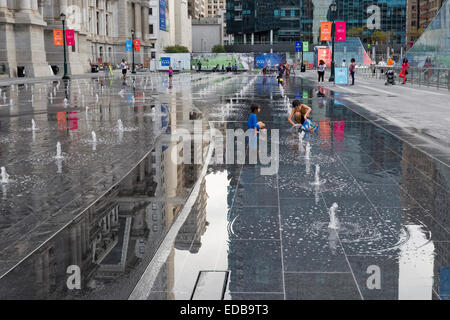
(63, 6)
(137, 20)
(25, 5)
(271, 36)
(123, 20)
(253, 38)
(7, 40)
(145, 23)
(34, 5)
(245, 38)
(29, 39)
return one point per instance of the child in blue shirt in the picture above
(253, 119)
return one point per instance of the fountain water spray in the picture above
(5, 176)
(58, 151)
(317, 181)
(334, 221)
(308, 151)
(94, 137)
(33, 125)
(120, 125)
(300, 140)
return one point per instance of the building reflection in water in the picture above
(116, 237)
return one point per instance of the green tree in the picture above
(380, 36)
(218, 48)
(176, 49)
(415, 34)
(355, 32)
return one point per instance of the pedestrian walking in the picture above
(403, 74)
(170, 73)
(352, 69)
(123, 67)
(344, 63)
(321, 70)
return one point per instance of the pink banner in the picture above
(70, 37)
(325, 55)
(341, 30)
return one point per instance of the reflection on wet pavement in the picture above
(247, 235)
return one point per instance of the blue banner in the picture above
(162, 15)
(165, 61)
(298, 46)
(129, 45)
(341, 76)
(268, 60)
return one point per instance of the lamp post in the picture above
(301, 38)
(63, 19)
(333, 8)
(133, 70)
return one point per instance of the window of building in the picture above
(150, 29)
(98, 23)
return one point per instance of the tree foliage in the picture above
(176, 49)
(218, 48)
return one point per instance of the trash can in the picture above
(21, 72)
(303, 68)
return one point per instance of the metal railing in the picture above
(427, 77)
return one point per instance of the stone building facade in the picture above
(101, 30)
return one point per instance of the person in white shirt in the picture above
(343, 64)
(321, 69)
(123, 67)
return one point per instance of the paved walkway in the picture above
(420, 115)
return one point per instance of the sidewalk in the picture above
(101, 74)
(419, 115)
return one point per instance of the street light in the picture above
(133, 70)
(63, 19)
(333, 8)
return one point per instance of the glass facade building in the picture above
(294, 20)
(351, 48)
(432, 49)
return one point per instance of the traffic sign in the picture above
(298, 46)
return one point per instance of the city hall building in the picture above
(101, 27)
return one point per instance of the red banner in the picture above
(325, 55)
(325, 31)
(137, 45)
(70, 37)
(341, 30)
(58, 38)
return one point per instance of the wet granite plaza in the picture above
(140, 226)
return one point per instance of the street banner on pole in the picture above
(325, 31)
(137, 45)
(325, 55)
(129, 44)
(70, 37)
(58, 38)
(298, 46)
(305, 46)
(341, 30)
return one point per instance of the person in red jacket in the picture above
(404, 72)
